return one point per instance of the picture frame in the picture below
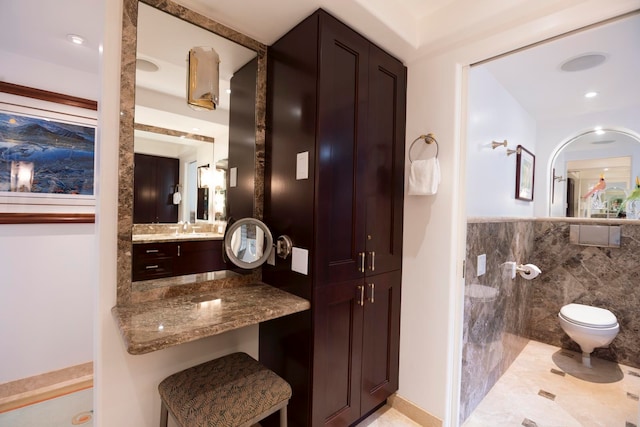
(48, 156)
(525, 173)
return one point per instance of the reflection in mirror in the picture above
(593, 174)
(156, 38)
(248, 243)
(197, 138)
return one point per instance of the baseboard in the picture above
(38, 388)
(411, 410)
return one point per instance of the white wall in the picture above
(434, 236)
(46, 298)
(47, 284)
(494, 115)
(126, 391)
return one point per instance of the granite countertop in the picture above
(173, 237)
(151, 326)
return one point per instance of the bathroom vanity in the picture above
(165, 255)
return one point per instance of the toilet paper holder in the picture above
(526, 271)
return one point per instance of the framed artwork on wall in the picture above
(47, 156)
(525, 173)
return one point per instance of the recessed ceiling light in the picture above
(583, 62)
(75, 39)
(146, 65)
(591, 94)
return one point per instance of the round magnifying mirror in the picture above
(248, 243)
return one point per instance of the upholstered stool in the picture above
(234, 390)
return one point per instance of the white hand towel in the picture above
(424, 177)
(177, 198)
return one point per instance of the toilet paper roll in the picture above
(530, 271)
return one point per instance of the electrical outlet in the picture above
(481, 267)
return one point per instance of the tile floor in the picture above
(387, 417)
(549, 387)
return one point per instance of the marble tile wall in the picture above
(597, 276)
(496, 307)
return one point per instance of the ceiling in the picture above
(404, 27)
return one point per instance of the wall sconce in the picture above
(203, 79)
(21, 176)
(204, 176)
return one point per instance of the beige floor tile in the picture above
(605, 395)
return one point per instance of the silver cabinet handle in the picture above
(373, 261)
(372, 291)
(362, 256)
(152, 251)
(151, 267)
(178, 250)
(361, 296)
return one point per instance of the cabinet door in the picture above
(154, 183)
(342, 128)
(144, 189)
(338, 352)
(167, 177)
(200, 256)
(385, 162)
(380, 339)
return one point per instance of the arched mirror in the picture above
(248, 243)
(593, 173)
(215, 156)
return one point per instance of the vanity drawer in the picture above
(154, 250)
(152, 268)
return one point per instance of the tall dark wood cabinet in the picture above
(155, 180)
(242, 137)
(341, 99)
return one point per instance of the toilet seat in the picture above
(591, 317)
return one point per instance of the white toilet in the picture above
(590, 327)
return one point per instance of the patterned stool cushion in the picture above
(228, 391)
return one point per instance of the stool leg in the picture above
(164, 415)
(283, 416)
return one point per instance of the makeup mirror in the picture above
(248, 243)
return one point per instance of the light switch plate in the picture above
(233, 177)
(302, 165)
(482, 265)
(300, 260)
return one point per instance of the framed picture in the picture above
(525, 168)
(47, 156)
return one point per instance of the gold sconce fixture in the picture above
(203, 79)
(496, 144)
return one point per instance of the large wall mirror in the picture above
(594, 173)
(182, 167)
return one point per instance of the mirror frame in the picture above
(229, 235)
(125, 294)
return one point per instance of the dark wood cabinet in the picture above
(341, 99)
(242, 137)
(154, 182)
(168, 259)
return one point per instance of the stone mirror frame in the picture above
(125, 293)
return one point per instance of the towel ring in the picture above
(428, 138)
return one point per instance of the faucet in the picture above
(185, 226)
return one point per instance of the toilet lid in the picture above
(586, 315)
